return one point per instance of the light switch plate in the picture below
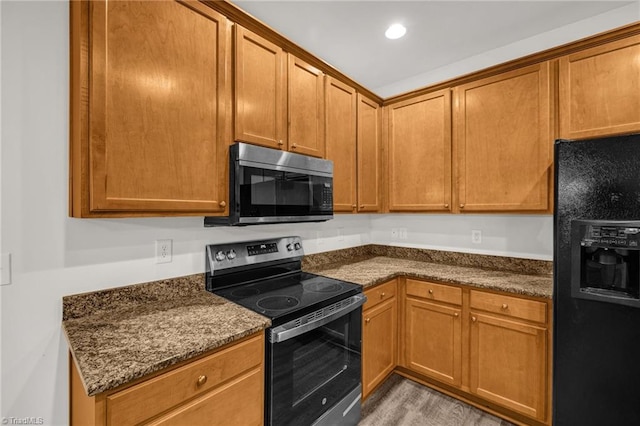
(6, 269)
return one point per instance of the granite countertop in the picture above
(375, 270)
(122, 334)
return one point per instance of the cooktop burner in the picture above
(277, 303)
(323, 287)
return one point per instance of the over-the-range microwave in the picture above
(272, 186)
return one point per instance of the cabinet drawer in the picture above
(437, 292)
(147, 399)
(507, 305)
(379, 294)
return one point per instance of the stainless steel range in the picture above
(313, 353)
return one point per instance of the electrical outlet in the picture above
(394, 233)
(476, 237)
(402, 233)
(164, 249)
(340, 234)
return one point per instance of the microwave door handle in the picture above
(289, 330)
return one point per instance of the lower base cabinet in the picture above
(487, 348)
(379, 335)
(433, 332)
(508, 353)
(211, 390)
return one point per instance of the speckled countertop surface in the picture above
(369, 272)
(122, 334)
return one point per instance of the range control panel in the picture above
(234, 255)
(255, 249)
(612, 234)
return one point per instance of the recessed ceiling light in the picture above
(395, 31)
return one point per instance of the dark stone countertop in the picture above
(375, 270)
(122, 334)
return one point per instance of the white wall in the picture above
(54, 255)
(523, 236)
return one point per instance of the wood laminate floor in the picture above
(401, 402)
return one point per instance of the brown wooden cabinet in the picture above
(306, 108)
(433, 331)
(340, 133)
(508, 353)
(488, 348)
(279, 98)
(503, 137)
(211, 390)
(369, 155)
(419, 153)
(260, 95)
(600, 90)
(379, 335)
(149, 135)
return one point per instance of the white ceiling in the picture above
(350, 34)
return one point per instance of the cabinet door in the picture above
(369, 155)
(508, 363)
(379, 344)
(420, 153)
(260, 91)
(157, 133)
(433, 340)
(306, 108)
(340, 132)
(600, 90)
(503, 140)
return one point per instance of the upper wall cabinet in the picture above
(340, 132)
(369, 155)
(600, 90)
(503, 141)
(419, 153)
(266, 78)
(306, 108)
(149, 135)
(260, 96)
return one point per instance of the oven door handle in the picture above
(316, 319)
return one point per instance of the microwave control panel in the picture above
(327, 194)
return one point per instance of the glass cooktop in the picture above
(291, 295)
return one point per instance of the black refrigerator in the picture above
(596, 340)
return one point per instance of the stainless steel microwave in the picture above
(272, 186)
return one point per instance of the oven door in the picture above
(314, 367)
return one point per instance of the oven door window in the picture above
(268, 193)
(312, 372)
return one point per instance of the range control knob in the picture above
(289, 247)
(297, 246)
(231, 254)
(220, 256)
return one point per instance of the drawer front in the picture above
(432, 291)
(516, 307)
(149, 398)
(226, 405)
(379, 294)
